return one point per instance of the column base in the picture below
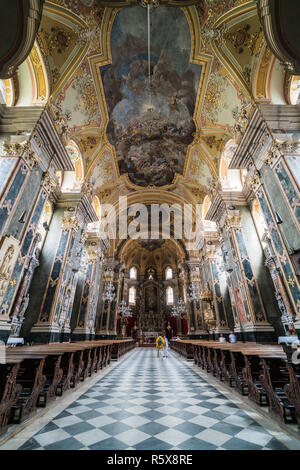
(256, 333)
(198, 334)
(222, 330)
(45, 334)
(81, 334)
(65, 335)
(105, 335)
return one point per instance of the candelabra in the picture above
(193, 293)
(109, 293)
(178, 309)
(123, 309)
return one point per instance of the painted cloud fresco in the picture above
(151, 141)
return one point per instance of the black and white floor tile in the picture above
(152, 403)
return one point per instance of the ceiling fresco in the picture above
(151, 135)
(209, 62)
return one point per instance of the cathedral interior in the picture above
(112, 112)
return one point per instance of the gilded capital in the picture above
(254, 181)
(233, 219)
(70, 222)
(22, 149)
(49, 183)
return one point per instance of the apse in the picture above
(152, 126)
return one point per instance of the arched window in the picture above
(170, 295)
(132, 295)
(169, 273)
(133, 273)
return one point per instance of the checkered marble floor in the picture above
(152, 403)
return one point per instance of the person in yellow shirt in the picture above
(159, 345)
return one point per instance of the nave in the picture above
(148, 403)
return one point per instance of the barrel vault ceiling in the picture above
(209, 62)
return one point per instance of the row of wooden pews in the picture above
(34, 376)
(263, 372)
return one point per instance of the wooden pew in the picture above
(30, 377)
(33, 376)
(259, 370)
(54, 373)
(251, 374)
(121, 347)
(273, 379)
(292, 389)
(183, 347)
(9, 390)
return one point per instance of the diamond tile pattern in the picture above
(152, 403)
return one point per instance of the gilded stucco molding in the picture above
(23, 150)
(202, 59)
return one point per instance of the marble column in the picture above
(48, 327)
(269, 151)
(108, 307)
(255, 323)
(195, 271)
(11, 275)
(16, 164)
(86, 316)
(214, 281)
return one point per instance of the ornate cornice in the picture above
(279, 149)
(268, 124)
(23, 150)
(80, 203)
(19, 119)
(222, 201)
(48, 145)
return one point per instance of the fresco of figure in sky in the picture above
(151, 137)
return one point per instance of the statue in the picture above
(65, 307)
(124, 323)
(169, 332)
(17, 320)
(134, 332)
(6, 270)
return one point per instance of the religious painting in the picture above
(151, 127)
(151, 299)
(240, 306)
